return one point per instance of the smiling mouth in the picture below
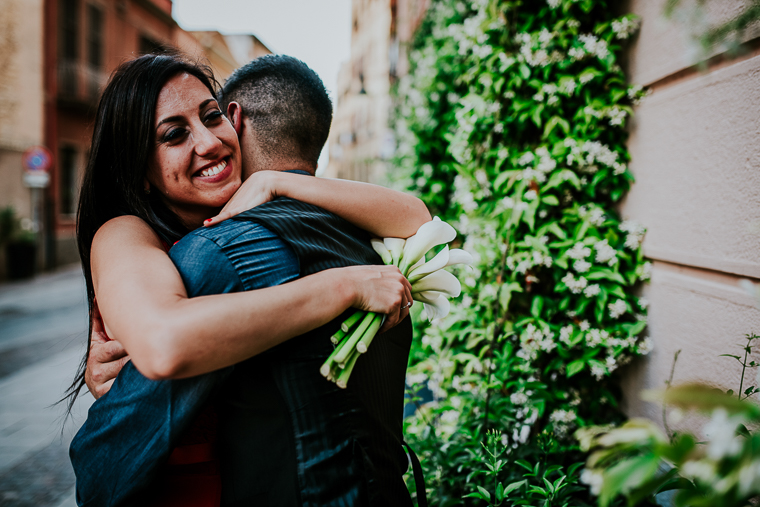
(214, 170)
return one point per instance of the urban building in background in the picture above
(57, 56)
(361, 141)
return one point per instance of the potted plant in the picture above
(20, 240)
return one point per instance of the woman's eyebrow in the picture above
(176, 117)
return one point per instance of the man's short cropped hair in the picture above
(287, 106)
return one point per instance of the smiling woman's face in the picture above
(195, 162)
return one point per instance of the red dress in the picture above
(190, 478)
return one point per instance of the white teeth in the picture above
(213, 171)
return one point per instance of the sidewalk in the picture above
(43, 328)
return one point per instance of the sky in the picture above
(317, 32)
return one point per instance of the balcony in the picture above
(79, 85)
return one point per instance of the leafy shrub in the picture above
(511, 125)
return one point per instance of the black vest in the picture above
(288, 436)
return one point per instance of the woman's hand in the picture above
(381, 289)
(259, 188)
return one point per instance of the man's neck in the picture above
(288, 166)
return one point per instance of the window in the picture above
(148, 45)
(94, 50)
(94, 37)
(68, 46)
(69, 183)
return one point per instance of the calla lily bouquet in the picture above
(431, 285)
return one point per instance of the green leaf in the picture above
(575, 367)
(637, 328)
(536, 306)
(500, 492)
(483, 491)
(626, 475)
(605, 274)
(550, 200)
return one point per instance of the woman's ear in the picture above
(235, 115)
(146, 186)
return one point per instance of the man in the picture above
(286, 436)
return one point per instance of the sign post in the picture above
(37, 162)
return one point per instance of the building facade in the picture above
(58, 55)
(360, 140)
(695, 156)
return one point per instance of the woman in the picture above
(163, 160)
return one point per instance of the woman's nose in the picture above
(206, 143)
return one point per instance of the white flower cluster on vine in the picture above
(617, 308)
(605, 253)
(593, 152)
(534, 49)
(576, 285)
(625, 27)
(635, 234)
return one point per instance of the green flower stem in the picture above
(369, 335)
(338, 337)
(351, 321)
(329, 362)
(348, 345)
(342, 379)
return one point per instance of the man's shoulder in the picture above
(225, 233)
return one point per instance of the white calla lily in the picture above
(417, 264)
(436, 304)
(458, 256)
(396, 248)
(430, 234)
(441, 281)
(379, 246)
(440, 261)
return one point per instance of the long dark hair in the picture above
(113, 183)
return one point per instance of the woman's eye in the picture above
(214, 116)
(173, 135)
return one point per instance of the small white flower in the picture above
(617, 308)
(591, 290)
(721, 431)
(645, 347)
(530, 195)
(605, 253)
(594, 479)
(519, 398)
(585, 326)
(644, 271)
(582, 266)
(575, 286)
(598, 371)
(701, 471)
(526, 158)
(579, 251)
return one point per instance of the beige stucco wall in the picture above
(21, 95)
(696, 158)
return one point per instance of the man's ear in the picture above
(235, 115)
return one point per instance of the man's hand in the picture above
(106, 359)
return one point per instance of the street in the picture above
(43, 329)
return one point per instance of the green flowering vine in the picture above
(511, 126)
